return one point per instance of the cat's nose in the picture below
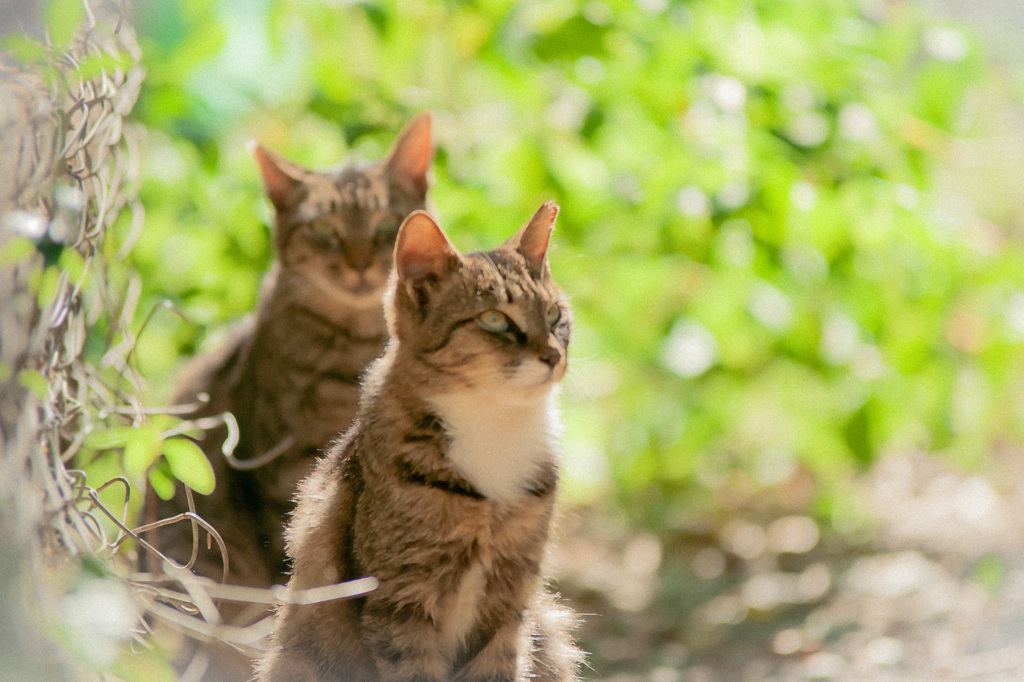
(551, 357)
(360, 264)
(359, 256)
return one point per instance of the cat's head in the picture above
(336, 229)
(492, 320)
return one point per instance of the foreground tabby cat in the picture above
(290, 376)
(444, 488)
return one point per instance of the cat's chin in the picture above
(362, 296)
(508, 393)
(367, 291)
(532, 391)
(525, 393)
(539, 375)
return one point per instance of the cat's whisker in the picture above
(579, 380)
(576, 392)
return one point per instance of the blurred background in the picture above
(793, 233)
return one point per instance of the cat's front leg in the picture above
(502, 659)
(404, 644)
(281, 665)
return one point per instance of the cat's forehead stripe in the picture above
(505, 277)
(499, 285)
(361, 191)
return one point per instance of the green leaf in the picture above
(34, 381)
(48, 285)
(73, 264)
(92, 67)
(23, 48)
(147, 665)
(17, 250)
(990, 573)
(142, 448)
(106, 439)
(62, 18)
(162, 483)
(189, 465)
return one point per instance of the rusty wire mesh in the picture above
(68, 161)
(69, 213)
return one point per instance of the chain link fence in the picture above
(69, 214)
(68, 166)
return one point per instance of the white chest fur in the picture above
(499, 444)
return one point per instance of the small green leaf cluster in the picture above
(149, 451)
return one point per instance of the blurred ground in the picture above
(931, 587)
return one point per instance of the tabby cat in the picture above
(290, 376)
(444, 487)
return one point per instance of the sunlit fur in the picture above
(290, 374)
(494, 394)
(444, 488)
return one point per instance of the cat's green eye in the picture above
(389, 225)
(493, 321)
(323, 231)
(386, 230)
(553, 315)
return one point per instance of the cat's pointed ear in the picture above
(408, 162)
(532, 240)
(281, 177)
(422, 251)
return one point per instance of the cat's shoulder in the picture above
(337, 463)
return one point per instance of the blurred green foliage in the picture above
(766, 280)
